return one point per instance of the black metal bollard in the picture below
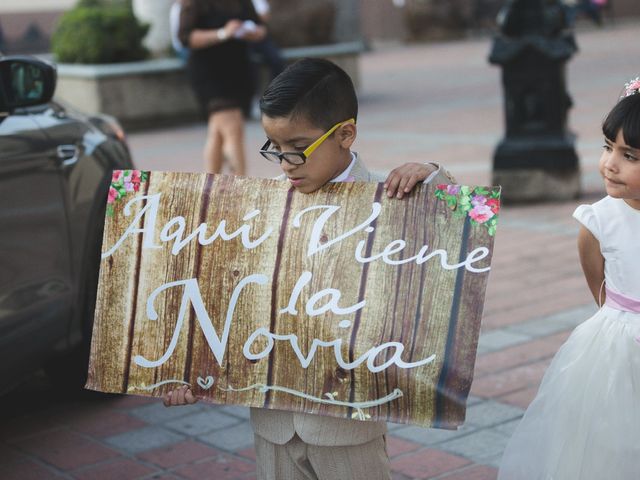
(536, 160)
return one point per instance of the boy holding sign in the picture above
(309, 115)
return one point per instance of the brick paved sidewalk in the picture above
(439, 103)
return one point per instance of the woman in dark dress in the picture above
(216, 33)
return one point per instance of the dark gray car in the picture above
(55, 171)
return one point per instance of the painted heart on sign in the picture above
(207, 383)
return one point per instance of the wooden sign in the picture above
(342, 302)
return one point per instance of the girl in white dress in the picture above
(584, 423)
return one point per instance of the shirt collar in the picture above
(343, 176)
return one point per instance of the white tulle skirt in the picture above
(584, 423)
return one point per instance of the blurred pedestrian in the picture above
(591, 8)
(217, 33)
(266, 49)
(584, 423)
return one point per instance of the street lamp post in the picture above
(536, 160)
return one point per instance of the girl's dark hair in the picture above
(314, 89)
(624, 116)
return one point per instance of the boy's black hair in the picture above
(624, 116)
(314, 89)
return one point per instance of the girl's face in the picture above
(328, 161)
(620, 168)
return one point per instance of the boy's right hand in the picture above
(179, 396)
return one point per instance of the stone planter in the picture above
(427, 20)
(156, 92)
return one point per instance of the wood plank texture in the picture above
(427, 309)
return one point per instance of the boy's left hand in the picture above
(401, 180)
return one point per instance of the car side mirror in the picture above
(25, 82)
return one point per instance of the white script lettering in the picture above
(369, 356)
(314, 242)
(422, 256)
(174, 229)
(311, 309)
(191, 296)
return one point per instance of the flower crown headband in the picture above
(631, 88)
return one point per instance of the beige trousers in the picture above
(296, 460)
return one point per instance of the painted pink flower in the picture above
(453, 189)
(494, 204)
(113, 195)
(116, 176)
(441, 186)
(477, 200)
(135, 176)
(481, 213)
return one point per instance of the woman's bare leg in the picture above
(213, 146)
(230, 124)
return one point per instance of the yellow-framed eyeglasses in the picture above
(298, 158)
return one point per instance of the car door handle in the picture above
(67, 154)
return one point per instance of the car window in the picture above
(27, 83)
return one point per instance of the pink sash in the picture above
(621, 302)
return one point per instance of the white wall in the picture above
(19, 6)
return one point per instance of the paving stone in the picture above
(576, 316)
(539, 327)
(503, 383)
(427, 463)
(120, 468)
(395, 426)
(499, 339)
(28, 425)
(476, 472)
(521, 398)
(65, 450)
(202, 422)
(105, 424)
(26, 470)
(143, 439)
(236, 411)
(158, 413)
(491, 413)
(567, 320)
(525, 353)
(223, 467)
(477, 446)
(127, 402)
(178, 454)
(431, 436)
(493, 461)
(397, 446)
(164, 476)
(507, 428)
(249, 453)
(398, 476)
(231, 439)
